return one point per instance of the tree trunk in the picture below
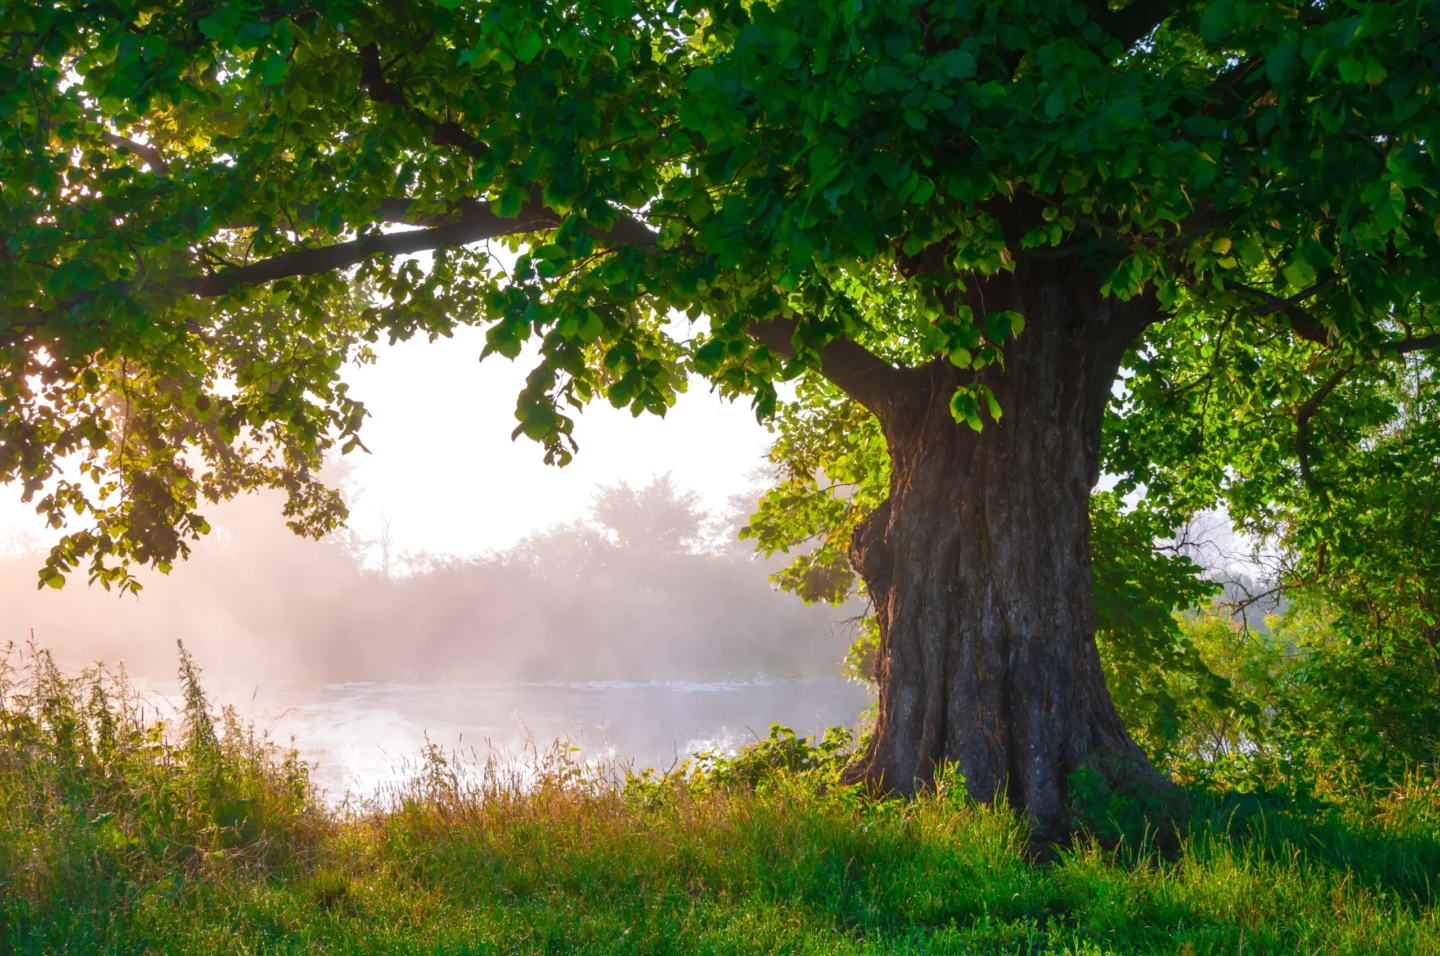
(979, 563)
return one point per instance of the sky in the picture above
(444, 472)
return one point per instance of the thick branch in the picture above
(1306, 326)
(150, 154)
(466, 222)
(627, 229)
(1302, 426)
(1301, 322)
(1134, 22)
(381, 90)
(857, 371)
(1127, 323)
(1309, 328)
(1408, 345)
(480, 224)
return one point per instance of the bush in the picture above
(92, 794)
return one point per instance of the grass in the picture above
(118, 835)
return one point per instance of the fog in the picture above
(647, 586)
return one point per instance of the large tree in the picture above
(964, 216)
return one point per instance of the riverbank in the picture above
(121, 837)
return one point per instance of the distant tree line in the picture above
(647, 585)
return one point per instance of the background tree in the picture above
(656, 518)
(1353, 531)
(949, 211)
(571, 602)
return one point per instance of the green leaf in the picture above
(958, 64)
(272, 71)
(1278, 60)
(1251, 252)
(1299, 272)
(991, 402)
(527, 46)
(1055, 103)
(1218, 20)
(1000, 326)
(507, 204)
(592, 328)
(1390, 209)
(965, 408)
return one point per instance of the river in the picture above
(362, 736)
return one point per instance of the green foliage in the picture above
(1156, 677)
(194, 210)
(779, 757)
(1328, 461)
(110, 843)
(833, 470)
(1309, 709)
(1364, 702)
(1250, 664)
(197, 209)
(94, 797)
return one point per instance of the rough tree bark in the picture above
(979, 561)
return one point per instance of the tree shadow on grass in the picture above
(1390, 845)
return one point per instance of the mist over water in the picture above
(642, 633)
(361, 736)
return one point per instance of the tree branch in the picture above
(627, 229)
(149, 154)
(1302, 426)
(1305, 325)
(1273, 304)
(1302, 323)
(478, 225)
(1134, 22)
(467, 221)
(1412, 344)
(857, 371)
(1309, 328)
(1227, 91)
(381, 90)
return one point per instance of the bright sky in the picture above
(444, 470)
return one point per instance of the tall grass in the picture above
(92, 790)
(120, 834)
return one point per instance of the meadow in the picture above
(120, 834)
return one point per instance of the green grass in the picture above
(120, 837)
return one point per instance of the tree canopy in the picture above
(209, 210)
(1003, 248)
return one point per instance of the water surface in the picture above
(360, 736)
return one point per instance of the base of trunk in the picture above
(1095, 780)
